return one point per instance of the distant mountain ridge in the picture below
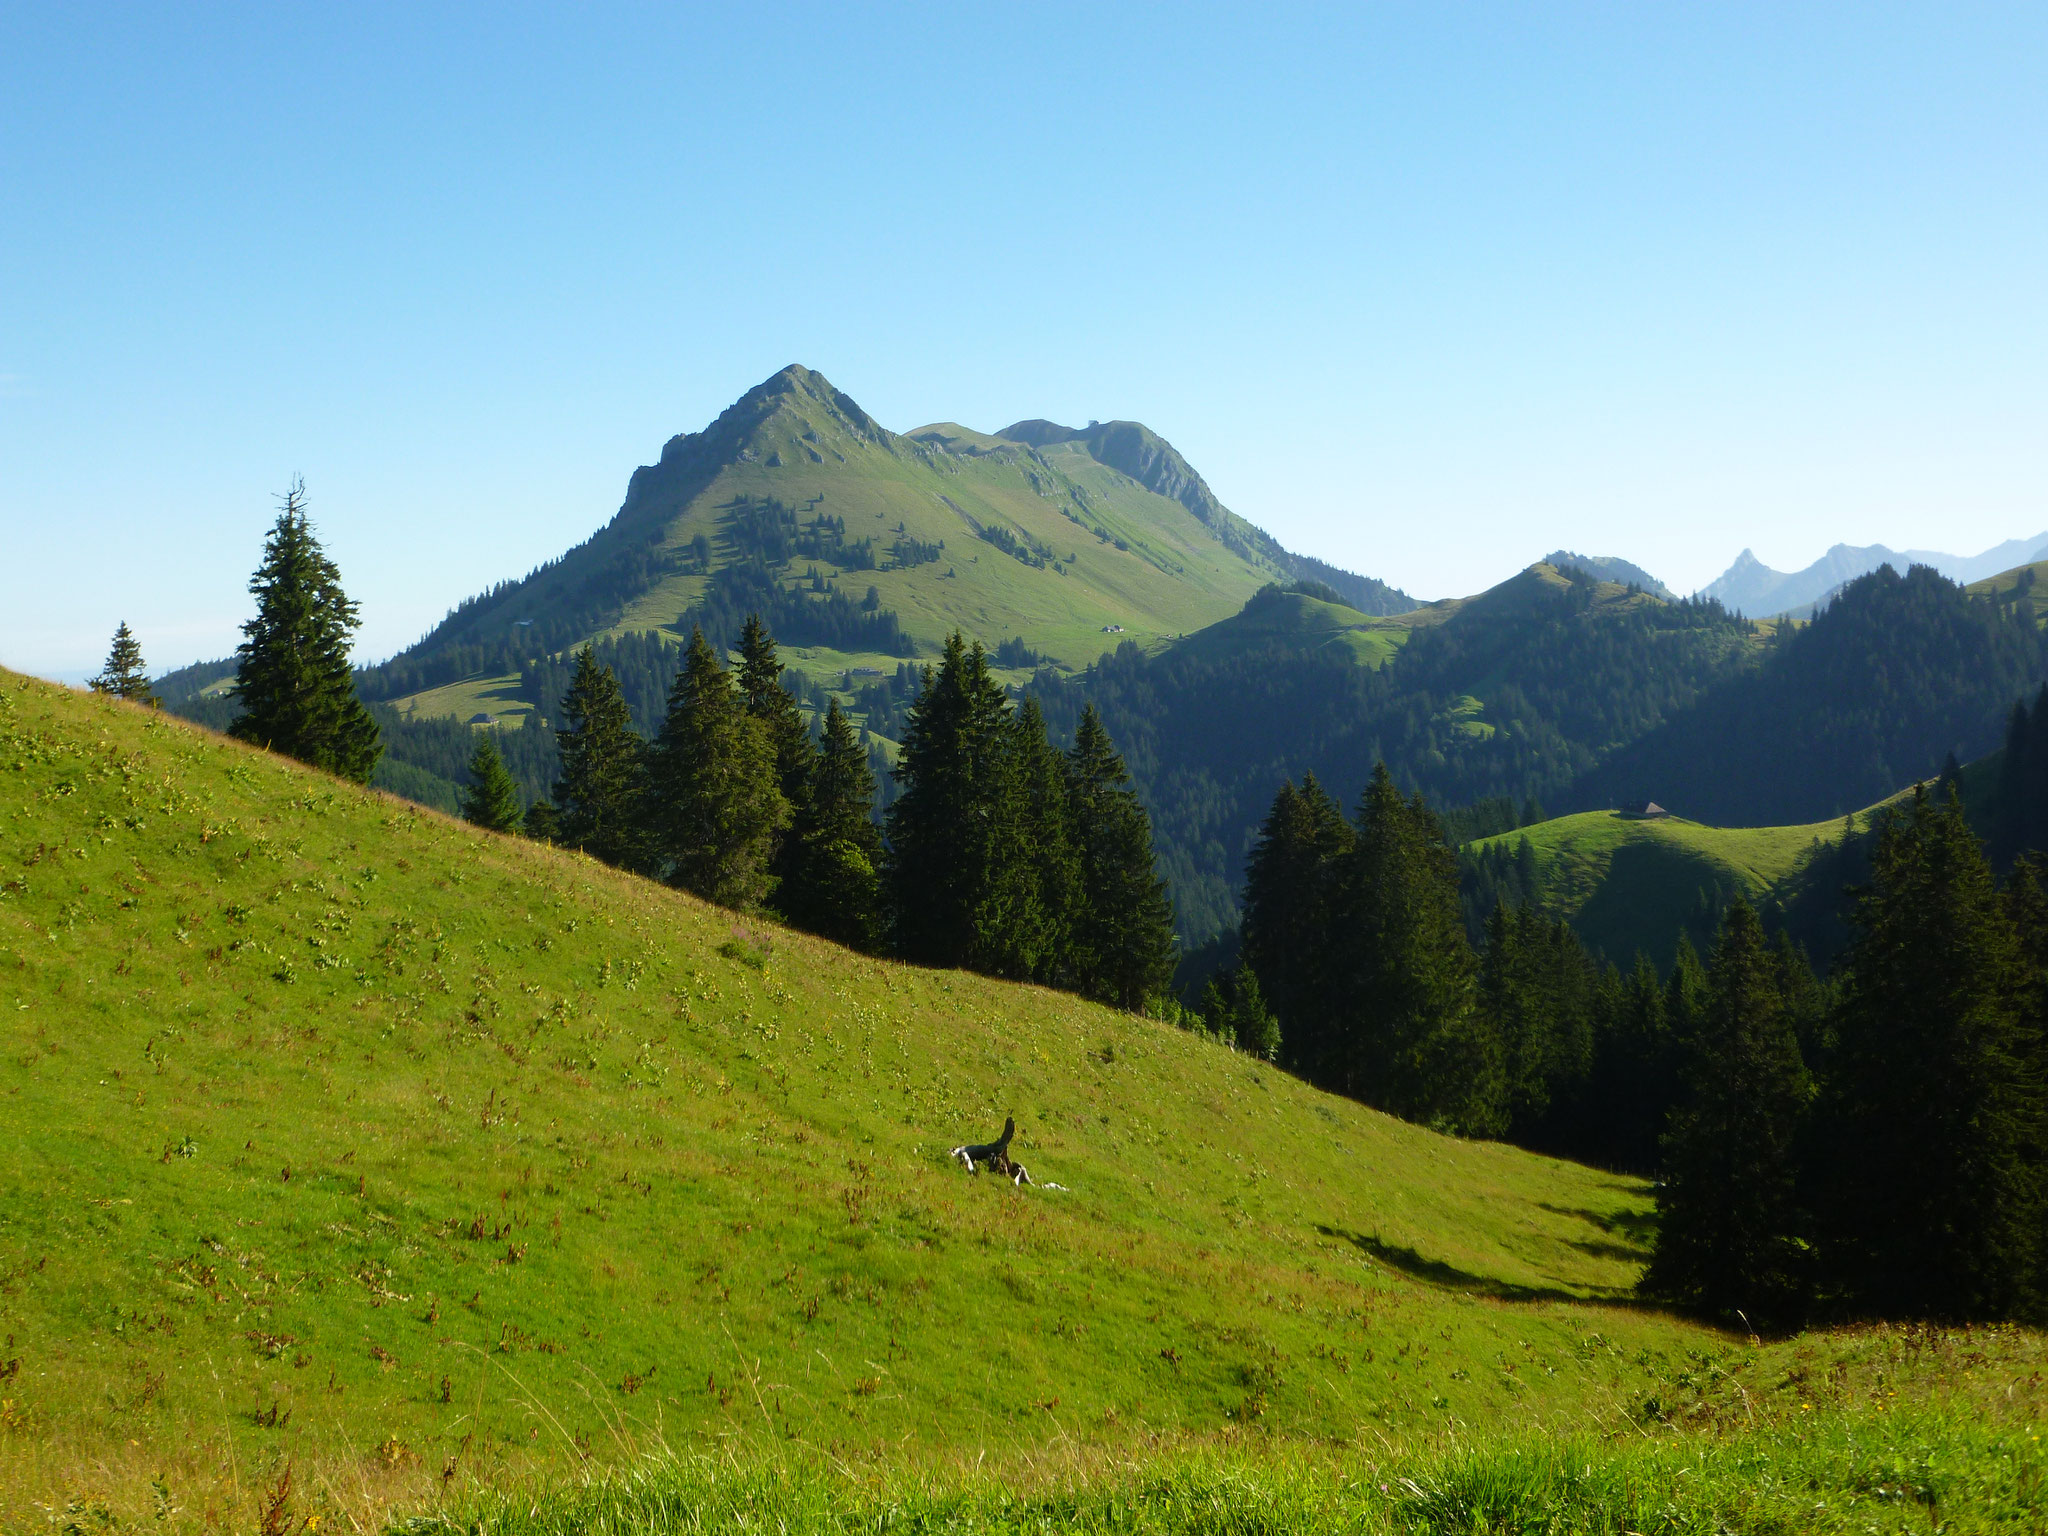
(1612, 568)
(1752, 588)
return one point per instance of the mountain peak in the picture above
(1039, 433)
(794, 389)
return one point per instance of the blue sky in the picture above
(1425, 290)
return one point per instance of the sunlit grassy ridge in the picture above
(1628, 884)
(340, 1134)
(1307, 623)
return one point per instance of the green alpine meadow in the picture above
(368, 1167)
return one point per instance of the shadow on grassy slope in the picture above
(1637, 1231)
(1450, 1277)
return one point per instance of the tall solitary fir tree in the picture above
(491, 798)
(292, 677)
(714, 801)
(1931, 1134)
(1730, 1234)
(597, 801)
(835, 889)
(124, 676)
(1122, 945)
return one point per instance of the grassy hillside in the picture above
(2023, 584)
(340, 1135)
(1632, 884)
(1306, 624)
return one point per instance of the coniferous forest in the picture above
(1003, 854)
(1871, 1142)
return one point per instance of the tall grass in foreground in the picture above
(1837, 1473)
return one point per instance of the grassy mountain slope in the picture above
(2023, 584)
(1629, 884)
(950, 528)
(1132, 449)
(342, 1137)
(1513, 692)
(1307, 623)
(1613, 568)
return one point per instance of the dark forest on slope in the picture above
(1559, 671)
(1895, 675)
(1583, 703)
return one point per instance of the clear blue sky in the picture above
(1426, 290)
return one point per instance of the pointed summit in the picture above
(806, 398)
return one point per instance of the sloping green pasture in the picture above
(342, 1138)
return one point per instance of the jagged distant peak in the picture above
(1751, 587)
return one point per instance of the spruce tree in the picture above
(1931, 1177)
(124, 676)
(959, 876)
(2020, 804)
(759, 680)
(1730, 1234)
(1410, 1038)
(715, 804)
(1234, 1010)
(835, 889)
(1289, 922)
(491, 799)
(1058, 910)
(597, 800)
(2027, 907)
(541, 824)
(1634, 1074)
(1123, 929)
(292, 677)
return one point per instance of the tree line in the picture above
(1589, 700)
(1002, 854)
(1875, 1143)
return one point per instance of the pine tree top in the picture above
(293, 677)
(124, 677)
